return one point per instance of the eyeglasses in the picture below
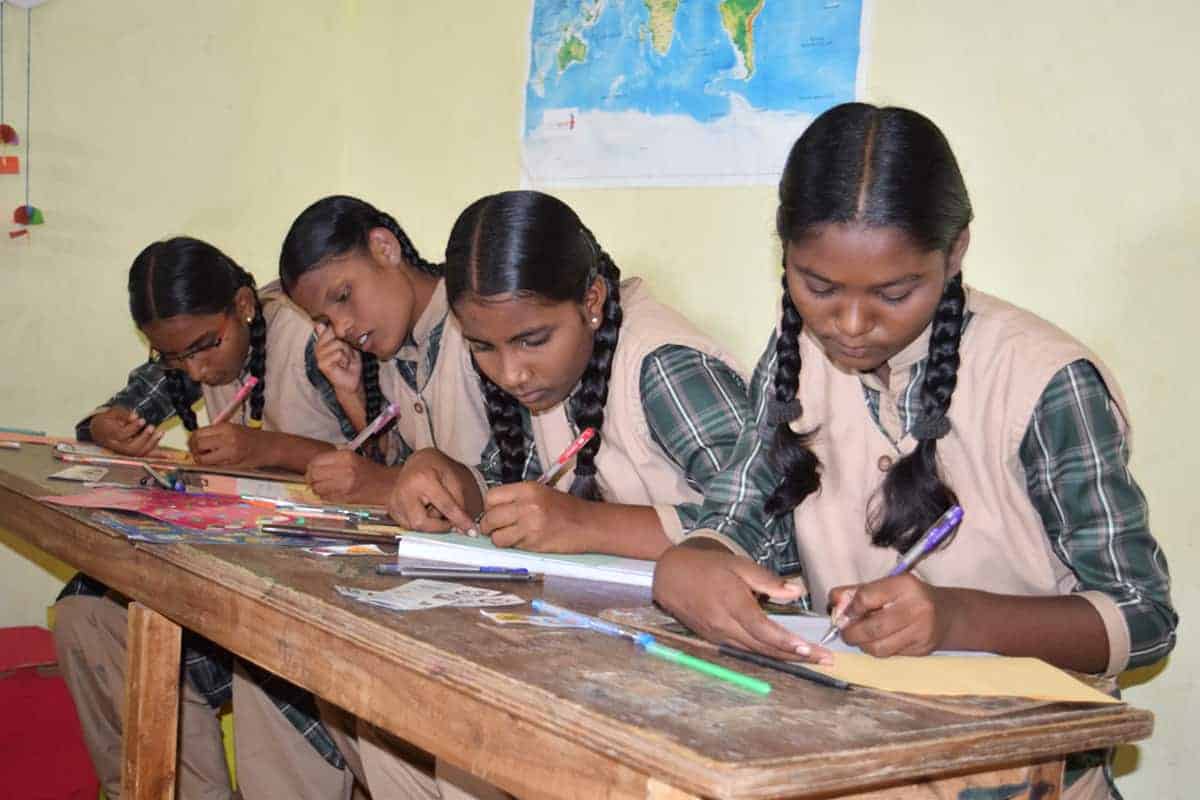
(177, 360)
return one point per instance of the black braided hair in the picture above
(588, 402)
(913, 495)
(187, 276)
(790, 451)
(880, 167)
(333, 227)
(177, 391)
(529, 243)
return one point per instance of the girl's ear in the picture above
(243, 304)
(384, 248)
(957, 251)
(593, 302)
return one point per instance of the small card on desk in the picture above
(81, 473)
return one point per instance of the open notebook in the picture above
(480, 552)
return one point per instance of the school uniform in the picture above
(434, 386)
(1037, 453)
(676, 404)
(91, 623)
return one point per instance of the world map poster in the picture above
(681, 92)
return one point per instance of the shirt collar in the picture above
(429, 322)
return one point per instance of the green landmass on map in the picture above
(737, 16)
(662, 23)
(573, 51)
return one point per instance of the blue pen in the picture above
(583, 620)
(464, 570)
(929, 542)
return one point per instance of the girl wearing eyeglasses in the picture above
(210, 330)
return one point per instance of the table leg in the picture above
(151, 706)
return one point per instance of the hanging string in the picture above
(28, 93)
(2, 4)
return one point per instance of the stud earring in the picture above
(595, 322)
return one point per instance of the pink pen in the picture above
(566, 456)
(237, 400)
(384, 418)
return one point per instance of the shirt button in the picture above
(417, 407)
(884, 463)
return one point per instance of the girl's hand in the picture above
(531, 516)
(345, 477)
(123, 431)
(340, 363)
(227, 443)
(431, 493)
(713, 592)
(899, 616)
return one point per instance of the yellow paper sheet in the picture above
(968, 674)
(962, 675)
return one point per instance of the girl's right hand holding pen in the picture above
(714, 592)
(900, 615)
(434, 493)
(124, 431)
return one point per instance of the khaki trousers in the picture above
(90, 638)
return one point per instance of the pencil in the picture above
(783, 666)
(571, 451)
(237, 400)
(384, 418)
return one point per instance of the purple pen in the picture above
(929, 542)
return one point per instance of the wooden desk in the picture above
(541, 713)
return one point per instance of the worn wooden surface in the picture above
(151, 707)
(541, 712)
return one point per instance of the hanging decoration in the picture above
(9, 164)
(25, 214)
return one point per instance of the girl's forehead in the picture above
(853, 253)
(511, 310)
(178, 333)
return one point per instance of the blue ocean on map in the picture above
(805, 59)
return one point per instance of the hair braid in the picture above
(177, 391)
(913, 494)
(790, 452)
(508, 430)
(588, 402)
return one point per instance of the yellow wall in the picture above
(1074, 122)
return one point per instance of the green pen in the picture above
(649, 645)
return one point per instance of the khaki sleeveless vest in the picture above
(448, 412)
(1008, 356)
(630, 466)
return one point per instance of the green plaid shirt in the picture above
(695, 408)
(145, 392)
(1075, 459)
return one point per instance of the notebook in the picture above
(479, 551)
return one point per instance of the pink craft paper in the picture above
(197, 511)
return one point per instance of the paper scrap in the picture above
(80, 473)
(424, 593)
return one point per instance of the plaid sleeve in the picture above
(734, 498)
(146, 393)
(1075, 457)
(695, 407)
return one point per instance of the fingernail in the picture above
(472, 532)
(804, 648)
